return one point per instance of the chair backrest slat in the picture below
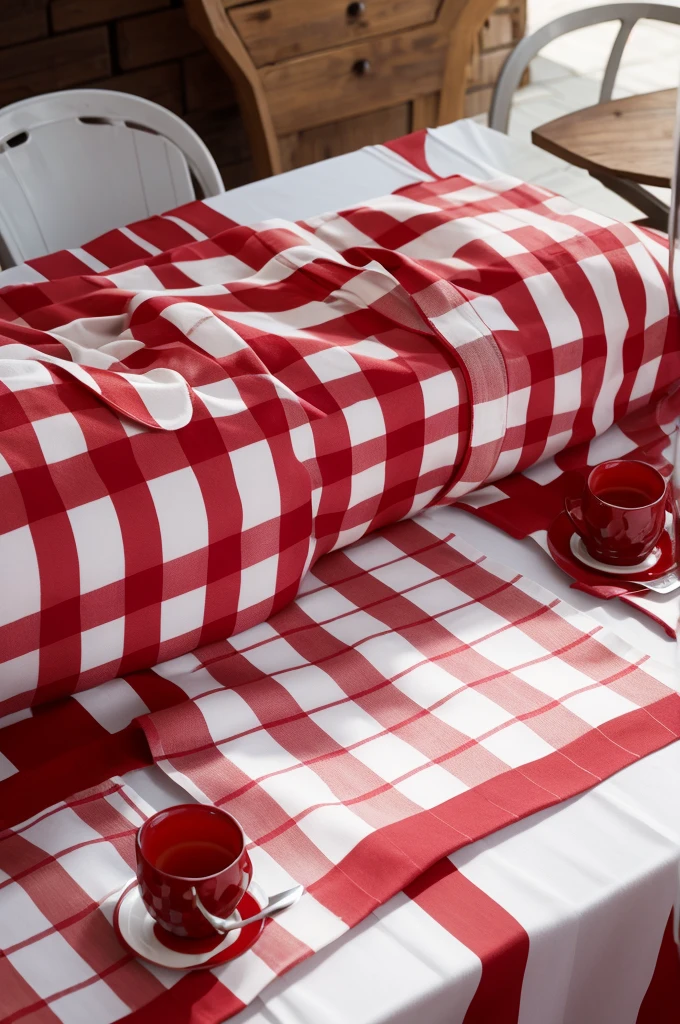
(518, 60)
(78, 163)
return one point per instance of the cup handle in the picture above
(670, 498)
(572, 506)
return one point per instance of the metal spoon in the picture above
(278, 903)
(663, 584)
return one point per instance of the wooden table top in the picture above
(629, 138)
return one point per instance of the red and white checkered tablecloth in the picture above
(413, 698)
(338, 375)
(183, 438)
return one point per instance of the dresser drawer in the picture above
(344, 136)
(274, 30)
(380, 72)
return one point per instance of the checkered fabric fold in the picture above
(413, 698)
(182, 438)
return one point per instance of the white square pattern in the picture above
(311, 687)
(365, 421)
(489, 421)
(511, 647)
(222, 398)
(332, 363)
(431, 786)
(298, 790)
(257, 484)
(407, 572)
(436, 455)
(390, 654)
(368, 483)
(113, 704)
(440, 394)
(517, 744)
(99, 871)
(59, 831)
(567, 391)
(258, 754)
(325, 604)
(20, 589)
(437, 597)
(102, 644)
(472, 623)
(352, 629)
(389, 757)
(21, 674)
(20, 919)
(50, 965)
(347, 723)
(204, 329)
(60, 437)
(275, 656)
(334, 830)
(599, 705)
(226, 714)
(377, 551)
(96, 1003)
(427, 684)
(492, 313)
(561, 322)
(473, 714)
(181, 513)
(258, 582)
(99, 543)
(555, 678)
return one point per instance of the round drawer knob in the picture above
(356, 9)
(361, 67)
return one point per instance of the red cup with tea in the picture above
(621, 513)
(191, 846)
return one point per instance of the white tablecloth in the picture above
(591, 881)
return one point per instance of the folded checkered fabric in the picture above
(182, 439)
(415, 697)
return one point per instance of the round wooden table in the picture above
(623, 143)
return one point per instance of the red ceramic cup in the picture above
(191, 845)
(622, 511)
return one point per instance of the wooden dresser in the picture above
(315, 78)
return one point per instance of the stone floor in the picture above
(567, 74)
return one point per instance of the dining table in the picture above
(581, 892)
(625, 143)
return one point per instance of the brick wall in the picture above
(146, 47)
(140, 46)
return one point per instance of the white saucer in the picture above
(579, 550)
(135, 929)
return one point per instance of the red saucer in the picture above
(559, 546)
(138, 933)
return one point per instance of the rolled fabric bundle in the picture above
(180, 440)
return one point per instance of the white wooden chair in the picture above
(75, 164)
(628, 15)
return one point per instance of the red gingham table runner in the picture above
(182, 439)
(415, 697)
